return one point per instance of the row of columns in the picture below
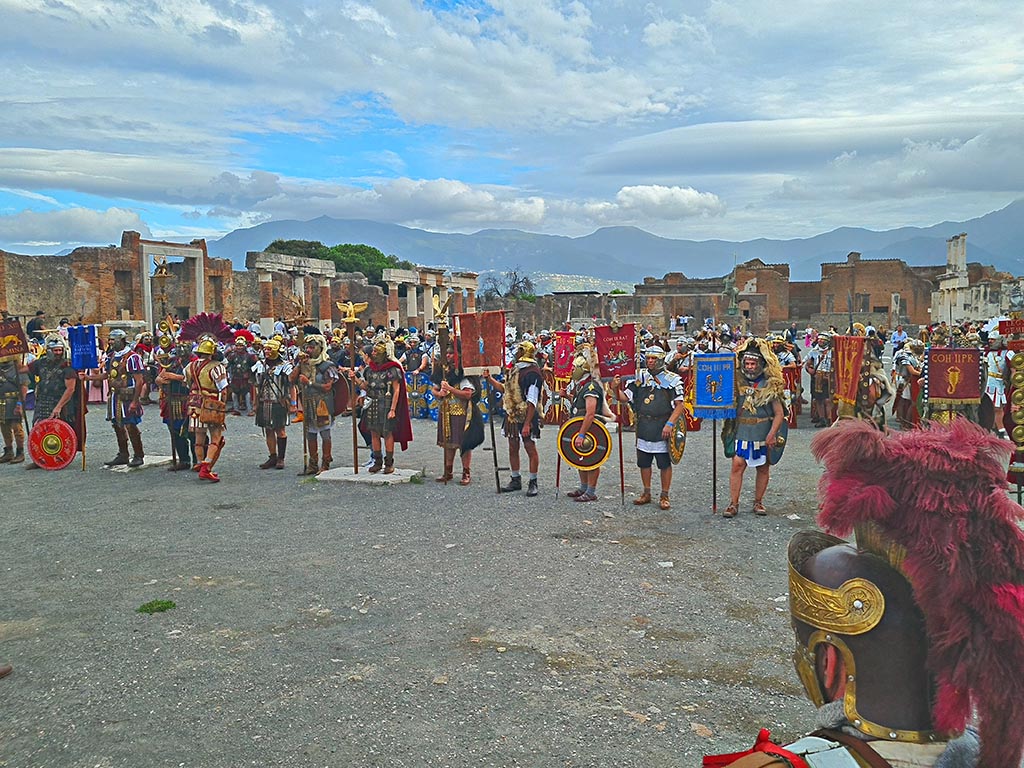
(422, 286)
(266, 294)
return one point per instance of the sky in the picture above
(731, 119)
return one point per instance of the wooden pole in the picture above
(622, 469)
(494, 446)
(714, 437)
(352, 395)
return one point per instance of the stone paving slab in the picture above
(347, 475)
(148, 462)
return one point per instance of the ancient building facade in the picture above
(876, 287)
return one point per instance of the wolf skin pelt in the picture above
(941, 494)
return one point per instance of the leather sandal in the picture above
(732, 510)
(643, 498)
(664, 503)
(759, 508)
(465, 477)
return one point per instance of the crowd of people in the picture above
(203, 369)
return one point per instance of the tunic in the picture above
(272, 394)
(121, 368)
(753, 423)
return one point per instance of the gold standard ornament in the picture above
(596, 449)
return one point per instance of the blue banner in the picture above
(82, 339)
(715, 385)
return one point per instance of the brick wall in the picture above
(804, 300)
(38, 282)
(354, 287)
(871, 284)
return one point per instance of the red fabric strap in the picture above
(764, 744)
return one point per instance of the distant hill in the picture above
(625, 255)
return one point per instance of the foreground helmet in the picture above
(860, 638)
(933, 505)
(272, 349)
(206, 347)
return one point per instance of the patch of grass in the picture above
(156, 606)
(417, 479)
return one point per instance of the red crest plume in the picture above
(940, 493)
(244, 333)
(206, 324)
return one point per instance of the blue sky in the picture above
(731, 119)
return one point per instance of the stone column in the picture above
(457, 302)
(429, 292)
(325, 302)
(410, 304)
(266, 289)
(470, 300)
(392, 305)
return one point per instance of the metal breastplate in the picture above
(9, 379)
(653, 406)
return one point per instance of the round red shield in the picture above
(52, 444)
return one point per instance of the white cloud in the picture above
(74, 225)
(547, 114)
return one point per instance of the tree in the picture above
(347, 257)
(513, 284)
(305, 249)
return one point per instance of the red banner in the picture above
(12, 338)
(565, 346)
(616, 350)
(847, 356)
(954, 376)
(483, 341)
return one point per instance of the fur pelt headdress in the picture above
(940, 495)
(311, 333)
(383, 339)
(774, 386)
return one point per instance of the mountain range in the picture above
(622, 256)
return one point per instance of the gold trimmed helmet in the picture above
(526, 352)
(860, 636)
(207, 346)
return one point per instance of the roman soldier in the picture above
(586, 394)
(760, 411)
(385, 403)
(819, 365)
(459, 422)
(275, 399)
(56, 386)
(239, 362)
(874, 390)
(174, 393)
(658, 399)
(791, 374)
(315, 376)
(996, 360)
(207, 379)
(144, 347)
(123, 371)
(522, 393)
(908, 363)
(13, 391)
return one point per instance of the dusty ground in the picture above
(418, 625)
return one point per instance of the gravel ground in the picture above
(417, 625)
